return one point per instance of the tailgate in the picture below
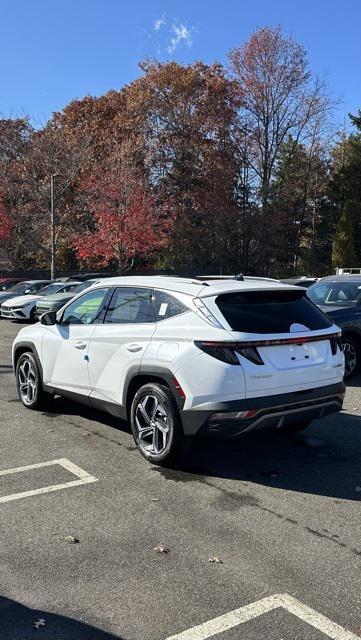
(294, 366)
(296, 343)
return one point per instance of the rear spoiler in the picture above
(234, 286)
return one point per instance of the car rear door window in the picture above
(166, 306)
(271, 312)
(130, 305)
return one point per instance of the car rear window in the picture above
(271, 312)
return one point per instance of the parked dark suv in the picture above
(340, 298)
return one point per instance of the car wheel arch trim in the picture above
(23, 347)
(155, 374)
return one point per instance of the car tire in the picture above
(352, 353)
(32, 316)
(156, 425)
(29, 383)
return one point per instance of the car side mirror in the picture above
(48, 318)
(26, 292)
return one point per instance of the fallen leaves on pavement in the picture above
(72, 539)
(39, 623)
(161, 548)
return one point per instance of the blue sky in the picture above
(52, 52)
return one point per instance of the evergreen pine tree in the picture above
(343, 251)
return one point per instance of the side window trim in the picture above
(105, 305)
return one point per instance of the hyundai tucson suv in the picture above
(180, 357)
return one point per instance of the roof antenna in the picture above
(239, 277)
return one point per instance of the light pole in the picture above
(53, 225)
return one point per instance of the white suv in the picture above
(179, 357)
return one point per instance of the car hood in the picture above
(55, 299)
(5, 295)
(21, 300)
(332, 310)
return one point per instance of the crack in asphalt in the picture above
(247, 500)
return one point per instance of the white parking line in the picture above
(83, 477)
(256, 609)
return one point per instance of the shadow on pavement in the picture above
(17, 623)
(354, 382)
(324, 460)
(59, 406)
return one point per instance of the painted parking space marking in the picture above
(82, 477)
(256, 609)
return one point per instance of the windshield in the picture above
(347, 292)
(50, 289)
(4, 286)
(19, 288)
(83, 285)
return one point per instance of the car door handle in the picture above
(80, 345)
(134, 347)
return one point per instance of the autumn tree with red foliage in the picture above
(127, 223)
(6, 223)
(185, 115)
(188, 166)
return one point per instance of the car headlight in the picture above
(20, 306)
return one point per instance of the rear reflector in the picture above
(234, 415)
(178, 388)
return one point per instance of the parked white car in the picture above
(23, 307)
(179, 357)
(21, 288)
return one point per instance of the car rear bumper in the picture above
(270, 412)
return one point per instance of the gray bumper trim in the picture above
(272, 411)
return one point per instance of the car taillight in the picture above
(251, 353)
(227, 352)
(216, 350)
(335, 342)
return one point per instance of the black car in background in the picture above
(302, 281)
(340, 298)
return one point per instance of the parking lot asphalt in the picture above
(282, 516)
